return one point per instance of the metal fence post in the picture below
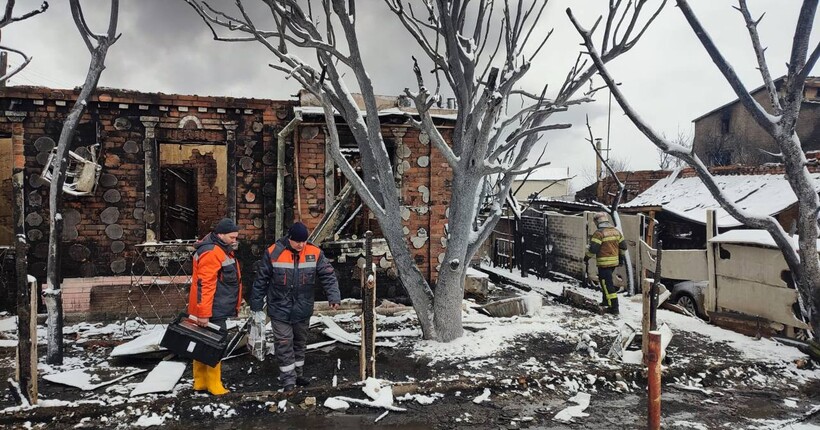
(367, 352)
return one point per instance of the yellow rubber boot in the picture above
(214, 380)
(200, 376)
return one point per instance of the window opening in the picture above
(82, 174)
(178, 204)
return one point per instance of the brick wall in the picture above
(568, 234)
(422, 176)
(92, 247)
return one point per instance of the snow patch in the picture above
(485, 396)
(567, 415)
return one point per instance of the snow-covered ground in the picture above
(560, 350)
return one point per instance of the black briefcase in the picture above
(186, 339)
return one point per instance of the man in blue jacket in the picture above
(288, 272)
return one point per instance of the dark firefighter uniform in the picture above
(286, 280)
(608, 247)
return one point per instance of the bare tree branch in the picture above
(760, 53)
(757, 112)
(8, 18)
(26, 60)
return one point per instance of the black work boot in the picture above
(289, 388)
(302, 381)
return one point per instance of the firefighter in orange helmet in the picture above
(608, 247)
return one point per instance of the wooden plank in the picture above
(32, 328)
(334, 218)
(330, 182)
(230, 194)
(646, 287)
(578, 300)
(710, 298)
(26, 366)
(744, 324)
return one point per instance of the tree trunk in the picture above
(53, 295)
(447, 307)
(808, 280)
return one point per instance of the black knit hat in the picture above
(225, 225)
(298, 232)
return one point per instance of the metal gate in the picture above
(160, 281)
(535, 257)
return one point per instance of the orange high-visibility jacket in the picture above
(286, 280)
(216, 283)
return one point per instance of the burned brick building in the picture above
(152, 172)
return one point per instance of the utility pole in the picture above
(4, 63)
(598, 184)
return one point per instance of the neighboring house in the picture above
(172, 165)
(545, 183)
(729, 135)
(680, 201)
(605, 190)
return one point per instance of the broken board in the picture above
(146, 343)
(163, 378)
(91, 378)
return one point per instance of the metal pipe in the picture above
(654, 379)
(278, 228)
(653, 294)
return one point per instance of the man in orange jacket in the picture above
(216, 293)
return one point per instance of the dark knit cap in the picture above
(226, 225)
(298, 232)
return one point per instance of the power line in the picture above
(31, 76)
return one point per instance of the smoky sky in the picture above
(668, 77)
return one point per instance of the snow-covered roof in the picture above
(688, 198)
(546, 174)
(753, 237)
(318, 110)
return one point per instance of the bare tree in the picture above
(616, 164)
(667, 161)
(8, 18)
(98, 45)
(481, 57)
(780, 123)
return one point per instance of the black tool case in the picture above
(186, 339)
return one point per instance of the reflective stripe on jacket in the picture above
(286, 279)
(606, 245)
(216, 283)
